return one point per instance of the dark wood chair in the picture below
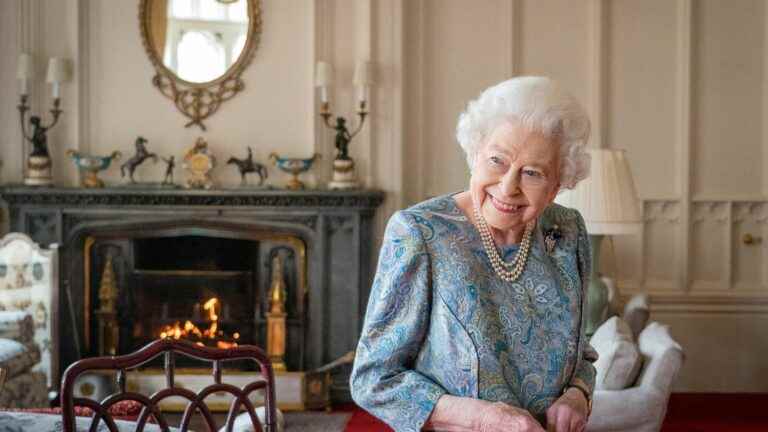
(150, 404)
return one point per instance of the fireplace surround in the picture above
(170, 249)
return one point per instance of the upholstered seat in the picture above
(24, 387)
(641, 405)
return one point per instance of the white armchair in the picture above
(641, 407)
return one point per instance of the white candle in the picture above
(24, 90)
(323, 94)
(56, 90)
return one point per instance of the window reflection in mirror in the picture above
(201, 39)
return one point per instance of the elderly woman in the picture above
(475, 316)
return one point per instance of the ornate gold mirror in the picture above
(199, 49)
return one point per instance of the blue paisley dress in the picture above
(439, 319)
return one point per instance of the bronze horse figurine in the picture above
(140, 156)
(247, 165)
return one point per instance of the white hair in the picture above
(536, 103)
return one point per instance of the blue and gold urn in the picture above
(294, 166)
(89, 167)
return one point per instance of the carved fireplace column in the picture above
(276, 333)
(107, 313)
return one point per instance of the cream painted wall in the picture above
(680, 84)
(111, 100)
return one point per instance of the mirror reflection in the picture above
(200, 39)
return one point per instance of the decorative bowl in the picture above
(89, 167)
(294, 166)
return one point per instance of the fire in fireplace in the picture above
(210, 336)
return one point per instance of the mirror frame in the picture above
(198, 101)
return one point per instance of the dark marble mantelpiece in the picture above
(336, 227)
(361, 200)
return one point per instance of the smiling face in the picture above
(515, 176)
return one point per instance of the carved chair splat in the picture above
(195, 401)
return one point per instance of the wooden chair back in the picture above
(170, 348)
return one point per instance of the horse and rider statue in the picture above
(247, 166)
(138, 158)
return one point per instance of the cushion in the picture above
(619, 359)
(243, 423)
(16, 357)
(636, 314)
(16, 325)
(128, 410)
(27, 421)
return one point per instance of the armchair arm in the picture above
(663, 358)
(17, 325)
(633, 409)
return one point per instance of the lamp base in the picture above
(597, 292)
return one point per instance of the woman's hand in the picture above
(501, 417)
(568, 413)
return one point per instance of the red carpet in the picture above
(709, 412)
(687, 412)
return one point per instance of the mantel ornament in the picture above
(247, 166)
(39, 160)
(137, 159)
(343, 165)
(294, 166)
(199, 162)
(89, 167)
(199, 66)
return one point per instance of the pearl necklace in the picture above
(509, 272)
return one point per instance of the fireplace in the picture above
(209, 285)
(134, 262)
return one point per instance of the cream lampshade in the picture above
(362, 79)
(363, 74)
(57, 74)
(323, 79)
(608, 201)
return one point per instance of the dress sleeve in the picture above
(584, 375)
(383, 380)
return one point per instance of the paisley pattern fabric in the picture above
(440, 321)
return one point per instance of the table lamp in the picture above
(608, 201)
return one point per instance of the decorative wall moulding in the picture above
(750, 212)
(667, 286)
(664, 211)
(711, 211)
(708, 285)
(716, 301)
(729, 198)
